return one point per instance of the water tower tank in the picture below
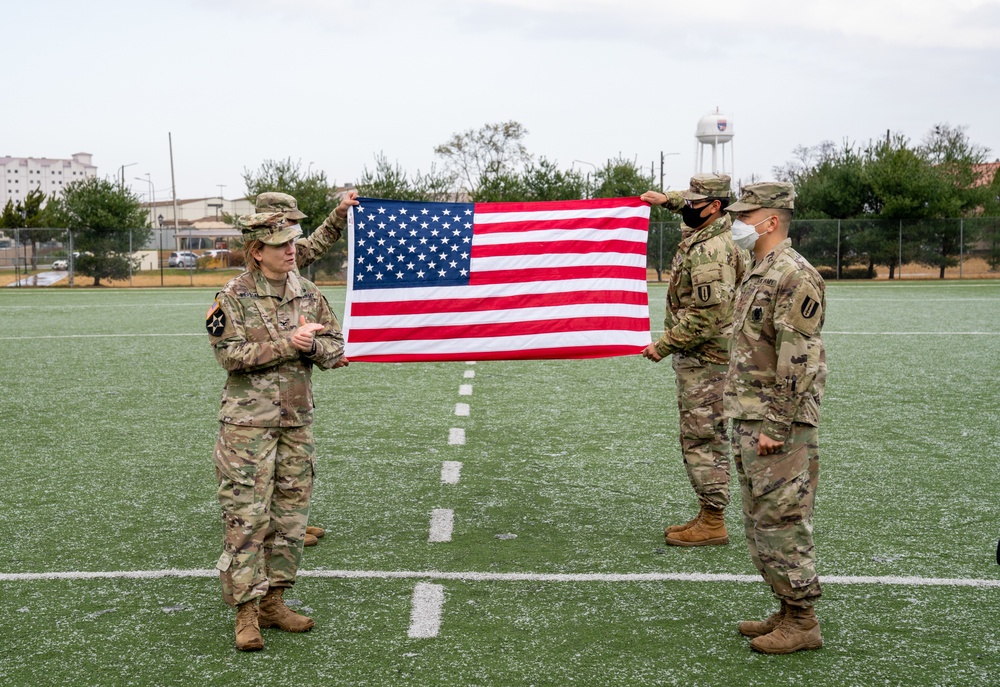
(714, 128)
(714, 131)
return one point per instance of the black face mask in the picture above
(693, 217)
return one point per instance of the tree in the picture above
(620, 178)
(478, 155)
(107, 221)
(389, 180)
(541, 181)
(313, 193)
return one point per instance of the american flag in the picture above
(496, 281)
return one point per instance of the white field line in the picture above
(442, 523)
(451, 471)
(95, 336)
(471, 362)
(888, 580)
(464, 389)
(456, 436)
(425, 614)
(469, 374)
(916, 333)
(462, 409)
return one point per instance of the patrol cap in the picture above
(272, 201)
(707, 186)
(271, 228)
(769, 194)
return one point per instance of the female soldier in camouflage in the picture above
(268, 327)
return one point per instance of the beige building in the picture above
(20, 175)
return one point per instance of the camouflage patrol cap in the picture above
(271, 228)
(707, 186)
(770, 194)
(272, 201)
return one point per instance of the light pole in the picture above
(159, 253)
(121, 173)
(663, 157)
(584, 162)
(152, 191)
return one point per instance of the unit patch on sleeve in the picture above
(215, 319)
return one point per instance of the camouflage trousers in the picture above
(779, 493)
(704, 439)
(265, 477)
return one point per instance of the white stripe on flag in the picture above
(433, 293)
(525, 262)
(536, 235)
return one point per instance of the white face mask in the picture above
(745, 235)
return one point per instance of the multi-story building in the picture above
(20, 175)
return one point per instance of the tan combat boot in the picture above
(317, 532)
(710, 530)
(247, 630)
(797, 631)
(680, 528)
(757, 628)
(309, 540)
(274, 613)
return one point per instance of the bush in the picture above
(829, 273)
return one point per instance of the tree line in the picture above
(872, 187)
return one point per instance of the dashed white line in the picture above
(425, 614)
(471, 362)
(442, 523)
(469, 374)
(456, 436)
(465, 390)
(462, 409)
(451, 471)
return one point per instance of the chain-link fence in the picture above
(967, 248)
(41, 257)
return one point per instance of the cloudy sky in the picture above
(331, 83)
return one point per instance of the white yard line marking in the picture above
(889, 580)
(464, 389)
(469, 374)
(917, 333)
(425, 614)
(462, 409)
(94, 336)
(456, 436)
(442, 523)
(451, 471)
(471, 362)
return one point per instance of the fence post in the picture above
(900, 250)
(72, 271)
(838, 250)
(659, 258)
(17, 257)
(130, 257)
(961, 245)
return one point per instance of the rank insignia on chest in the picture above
(215, 320)
(756, 314)
(809, 307)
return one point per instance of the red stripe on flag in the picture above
(572, 352)
(534, 300)
(478, 278)
(480, 331)
(549, 205)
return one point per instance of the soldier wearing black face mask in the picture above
(703, 279)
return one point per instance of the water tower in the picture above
(714, 130)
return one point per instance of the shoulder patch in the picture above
(215, 319)
(806, 312)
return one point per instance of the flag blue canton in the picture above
(406, 244)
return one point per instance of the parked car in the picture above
(182, 259)
(61, 264)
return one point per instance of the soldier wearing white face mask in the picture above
(777, 374)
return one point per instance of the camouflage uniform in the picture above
(307, 249)
(264, 455)
(777, 373)
(703, 278)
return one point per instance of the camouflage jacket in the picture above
(777, 367)
(311, 248)
(703, 278)
(250, 329)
